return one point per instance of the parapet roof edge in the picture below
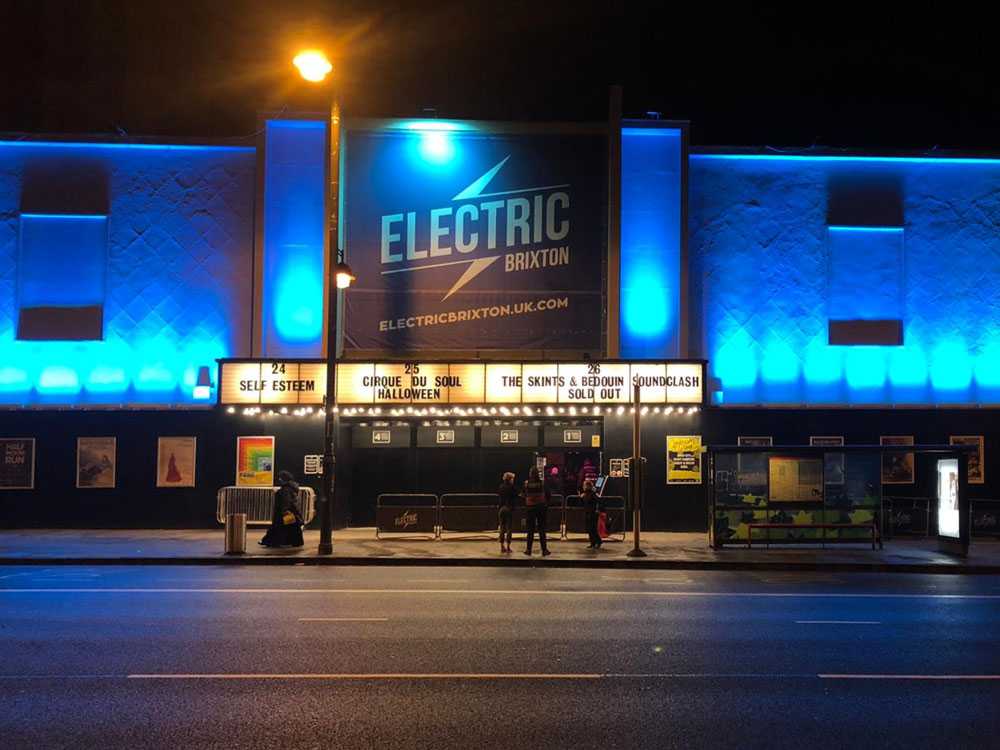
(245, 143)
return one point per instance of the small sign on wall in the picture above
(381, 437)
(445, 437)
(509, 437)
(312, 465)
(572, 436)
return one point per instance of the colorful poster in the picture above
(17, 463)
(175, 461)
(897, 468)
(683, 459)
(96, 461)
(977, 474)
(255, 461)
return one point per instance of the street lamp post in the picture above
(314, 67)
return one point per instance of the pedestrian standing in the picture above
(286, 520)
(536, 502)
(508, 500)
(592, 507)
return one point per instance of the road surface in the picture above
(411, 658)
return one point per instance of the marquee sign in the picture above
(439, 383)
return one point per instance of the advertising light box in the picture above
(437, 383)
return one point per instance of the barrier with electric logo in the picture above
(400, 513)
(614, 507)
(258, 504)
(470, 513)
(553, 519)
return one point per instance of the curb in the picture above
(776, 565)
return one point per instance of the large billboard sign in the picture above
(463, 238)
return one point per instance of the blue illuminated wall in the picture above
(293, 256)
(764, 230)
(651, 236)
(179, 266)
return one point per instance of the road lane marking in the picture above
(378, 676)
(838, 622)
(506, 592)
(500, 676)
(343, 619)
(909, 676)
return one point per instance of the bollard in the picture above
(236, 533)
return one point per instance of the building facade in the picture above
(153, 292)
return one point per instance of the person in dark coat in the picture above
(286, 500)
(508, 499)
(592, 506)
(536, 507)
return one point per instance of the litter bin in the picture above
(236, 533)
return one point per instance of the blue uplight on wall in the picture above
(294, 242)
(776, 250)
(160, 236)
(652, 190)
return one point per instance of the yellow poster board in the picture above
(683, 459)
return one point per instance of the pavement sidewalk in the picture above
(359, 546)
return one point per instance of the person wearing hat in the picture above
(286, 521)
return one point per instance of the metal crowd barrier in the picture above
(553, 519)
(909, 516)
(258, 504)
(470, 513)
(984, 518)
(401, 513)
(576, 521)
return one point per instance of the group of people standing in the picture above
(536, 496)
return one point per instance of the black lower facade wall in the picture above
(364, 471)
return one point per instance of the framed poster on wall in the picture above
(683, 459)
(255, 461)
(897, 468)
(96, 462)
(17, 463)
(977, 473)
(175, 461)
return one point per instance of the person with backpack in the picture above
(536, 506)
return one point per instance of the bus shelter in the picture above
(805, 494)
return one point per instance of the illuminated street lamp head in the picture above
(343, 274)
(313, 65)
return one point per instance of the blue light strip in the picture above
(892, 159)
(64, 216)
(845, 228)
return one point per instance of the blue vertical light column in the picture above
(293, 258)
(651, 208)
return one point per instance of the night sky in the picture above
(825, 75)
